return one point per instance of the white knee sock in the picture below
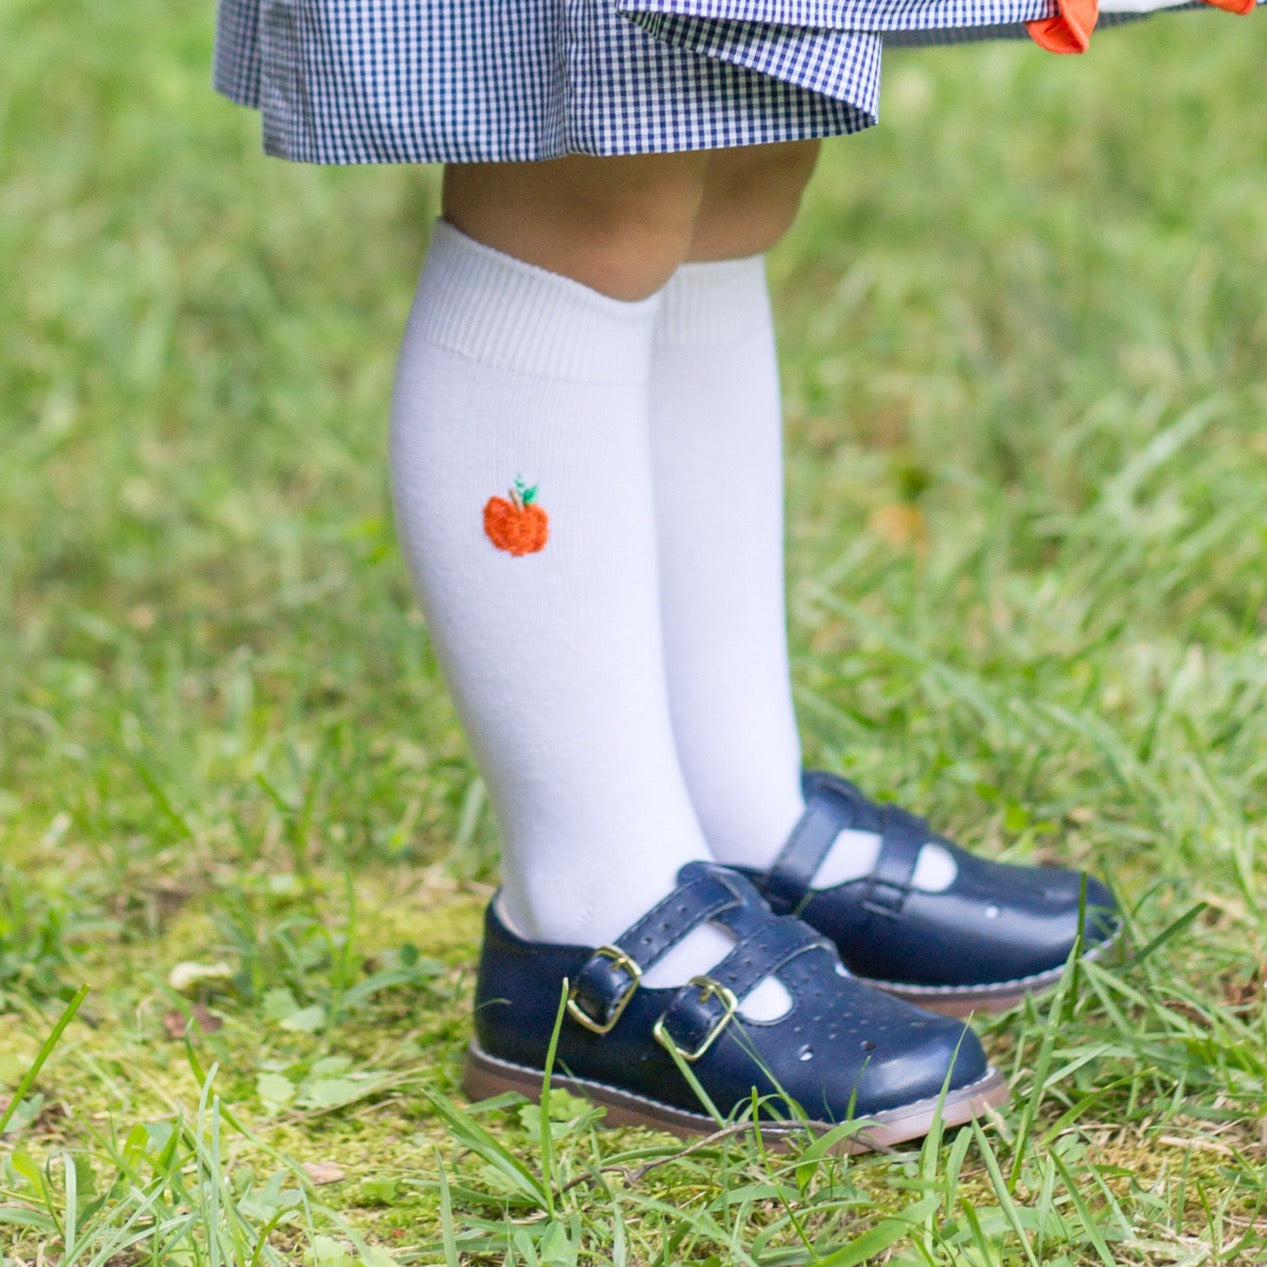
(716, 440)
(519, 385)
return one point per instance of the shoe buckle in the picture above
(709, 989)
(632, 971)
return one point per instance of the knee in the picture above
(629, 245)
(751, 197)
(621, 226)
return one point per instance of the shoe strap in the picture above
(609, 977)
(778, 940)
(705, 1005)
(902, 836)
(705, 891)
(832, 805)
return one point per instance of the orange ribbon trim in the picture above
(1234, 6)
(1070, 31)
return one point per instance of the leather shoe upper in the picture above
(996, 924)
(843, 1049)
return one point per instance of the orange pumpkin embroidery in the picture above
(519, 525)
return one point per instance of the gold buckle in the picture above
(627, 965)
(708, 989)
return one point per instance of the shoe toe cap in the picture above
(1061, 905)
(868, 1053)
(931, 1056)
(1032, 923)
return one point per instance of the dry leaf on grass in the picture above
(323, 1172)
(174, 1022)
(900, 524)
(187, 974)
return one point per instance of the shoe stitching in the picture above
(590, 1082)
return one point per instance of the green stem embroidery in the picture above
(521, 495)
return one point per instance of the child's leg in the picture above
(904, 907)
(717, 462)
(544, 611)
(519, 383)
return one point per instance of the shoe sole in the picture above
(999, 996)
(486, 1076)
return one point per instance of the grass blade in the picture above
(884, 1235)
(46, 1050)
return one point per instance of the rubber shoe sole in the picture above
(486, 1076)
(998, 996)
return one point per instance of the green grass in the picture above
(1025, 355)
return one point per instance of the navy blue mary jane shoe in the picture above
(998, 932)
(841, 1052)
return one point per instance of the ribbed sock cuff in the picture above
(716, 303)
(498, 310)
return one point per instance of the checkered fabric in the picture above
(364, 81)
(414, 81)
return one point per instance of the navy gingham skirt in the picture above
(416, 81)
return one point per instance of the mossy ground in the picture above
(1024, 348)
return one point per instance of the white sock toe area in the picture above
(698, 953)
(701, 949)
(766, 1001)
(853, 854)
(935, 870)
